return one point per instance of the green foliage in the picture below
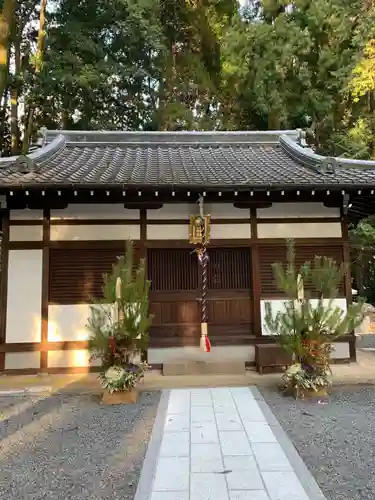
(184, 64)
(310, 322)
(115, 338)
(288, 65)
(362, 246)
(363, 80)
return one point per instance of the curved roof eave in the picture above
(44, 153)
(308, 158)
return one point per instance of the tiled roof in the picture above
(181, 159)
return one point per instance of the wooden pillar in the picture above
(143, 253)
(255, 270)
(45, 291)
(4, 285)
(143, 232)
(347, 278)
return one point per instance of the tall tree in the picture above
(191, 66)
(6, 22)
(288, 65)
(99, 66)
(37, 63)
(362, 87)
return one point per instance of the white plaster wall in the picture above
(95, 232)
(244, 353)
(70, 359)
(26, 233)
(26, 214)
(226, 211)
(20, 360)
(300, 230)
(183, 210)
(278, 305)
(68, 322)
(181, 232)
(23, 322)
(172, 211)
(340, 350)
(76, 211)
(168, 232)
(230, 231)
(283, 210)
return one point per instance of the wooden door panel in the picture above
(174, 335)
(175, 297)
(231, 311)
(174, 311)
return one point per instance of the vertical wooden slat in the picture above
(172, 270)
(270, 254)
(45, 290)
(76, 276)
(255, 271)
(347, 277)
(229, 269)
(4, 283)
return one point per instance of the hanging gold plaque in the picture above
(197, 227)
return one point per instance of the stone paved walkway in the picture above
(221, 444)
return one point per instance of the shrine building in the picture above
(68, 208)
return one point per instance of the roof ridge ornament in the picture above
(302, 138)
(328, 165)
(43, 132)
(25, 165)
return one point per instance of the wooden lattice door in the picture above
(229, 295)
(175, 296)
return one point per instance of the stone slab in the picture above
(203, 368)
(223, 444)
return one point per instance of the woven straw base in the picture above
(309, 393)
(120, 398)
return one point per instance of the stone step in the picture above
(204, 368)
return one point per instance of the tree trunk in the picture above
(372, 122)
(65, 118)
(6, 21)
(3, 117)
(38, 67)
(273, 120)
(15, 91)
(14, 129)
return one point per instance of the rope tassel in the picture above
(204, 342)
(201, 251)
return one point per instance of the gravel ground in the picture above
(71, 447)
(335, 440)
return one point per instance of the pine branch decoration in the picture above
(117, 340)
(315, 320)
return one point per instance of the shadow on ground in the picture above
(335, 440)
(70, 446)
